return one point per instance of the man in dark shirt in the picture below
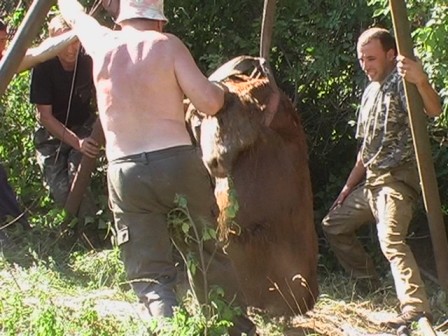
(62, 89)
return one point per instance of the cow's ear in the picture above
(271, 108)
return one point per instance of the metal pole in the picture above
(422, 147)
(28, 29)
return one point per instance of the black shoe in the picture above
(405, 319)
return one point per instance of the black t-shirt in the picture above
(51, 85)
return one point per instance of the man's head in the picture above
(140, 9)
(67, 56)
(376, 50)
(3, 37)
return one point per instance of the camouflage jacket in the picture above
(383, 124)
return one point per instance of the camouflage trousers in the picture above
(59, 163)
(387, 199)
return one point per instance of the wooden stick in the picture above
(422, 147)
(426, 327)
(83, 175)
(267, 26)
(27, 31)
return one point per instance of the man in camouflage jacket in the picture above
(383, 186)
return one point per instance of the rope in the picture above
(93, 11)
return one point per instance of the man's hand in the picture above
(411, 70)
(89, 147)
(341, 197)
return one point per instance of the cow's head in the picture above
(249, 106)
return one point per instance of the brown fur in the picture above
(273, 244)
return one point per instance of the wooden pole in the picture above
(84, 173)
(425, 327)
(267, 26)
(28, 29)
(422, 147)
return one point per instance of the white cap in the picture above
(141, 9)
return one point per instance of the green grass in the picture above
(58, 285)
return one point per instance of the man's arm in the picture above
(206, 96)
(88, 30)
(87, 146)
(49, 48)
(356, 175)
(413, 72)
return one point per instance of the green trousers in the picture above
(142, 191)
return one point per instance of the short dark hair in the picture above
(383, 35)
(3, 26)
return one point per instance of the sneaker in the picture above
(405, 319)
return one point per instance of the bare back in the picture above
(139, 99)
(141, 76)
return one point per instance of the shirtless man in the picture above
(141, 76)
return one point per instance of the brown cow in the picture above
(256, 149)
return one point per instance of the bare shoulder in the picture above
(110, 39)
(175, 42)
(89, 39)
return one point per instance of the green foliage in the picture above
(99, 269)
(208, 318)
(189, 319)
(216, 31)
(12, 311)
(315, 61)
(45, 297)
(430, 38)
(16, 147)
(46, 322)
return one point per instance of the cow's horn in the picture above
(237, 65)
